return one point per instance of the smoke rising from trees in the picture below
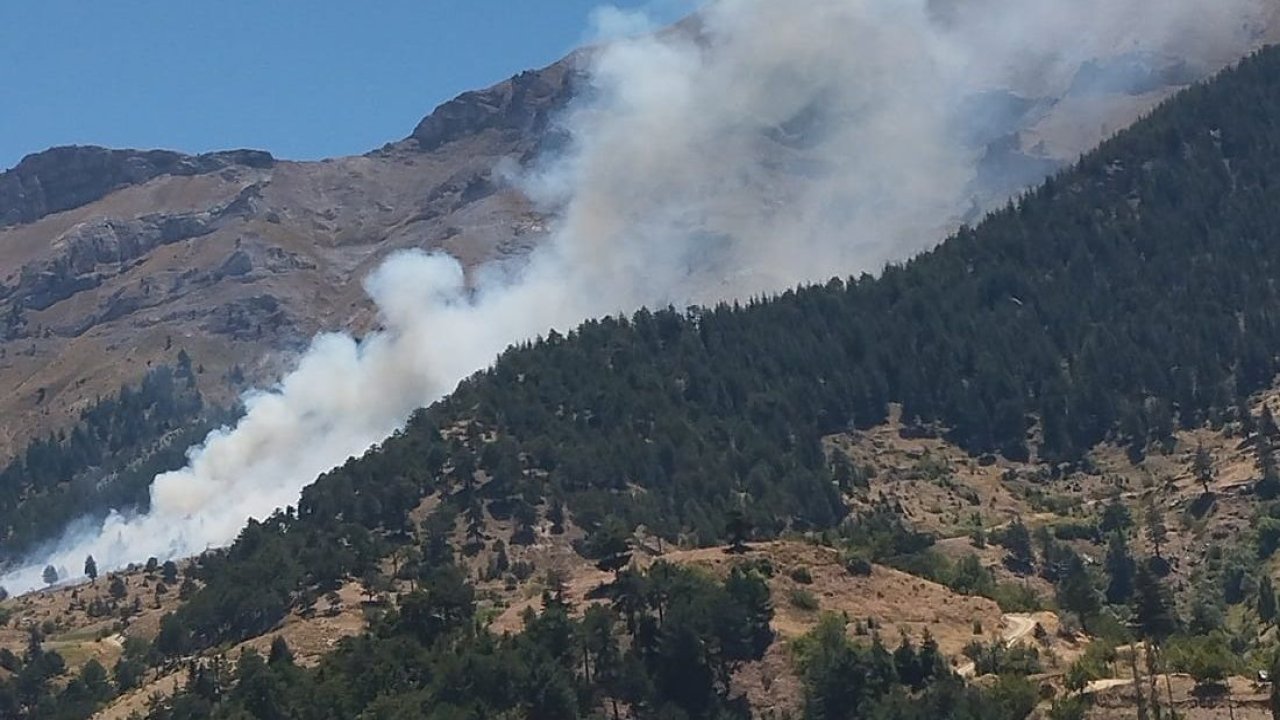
(764, 145)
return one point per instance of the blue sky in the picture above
(303, 79)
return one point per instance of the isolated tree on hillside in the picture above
(90, 568)
(1202, 467)
(280, 652)
(1268, 485)
(1120, 569)
(1115, 516)
(1157, 533)
(50, 575)
(1266, 599)
(1154, 616)
(611, 547)
(1075, 590)
(1275, 688)
(1267, 423)
(95, 679)
(474, 514)
(555, 515)
(1017, 540)
(738, 530)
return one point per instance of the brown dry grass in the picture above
(1245, 700)
(78, 637)
(311, 638)
(939, 487)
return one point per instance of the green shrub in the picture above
(1016, 597)
(998, 658)
(1268, 537)
(762, 566)
(1206, 658)
(1075, 530)
(801, 575)
(1016, 696)
(802, 599)
(857, 565)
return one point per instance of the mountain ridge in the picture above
(998, 418)
(238, 265)
(70, 176)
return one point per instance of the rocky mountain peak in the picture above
(521, 106)
(68, 177)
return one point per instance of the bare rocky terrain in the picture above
(111, 261)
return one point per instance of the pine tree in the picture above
(280, 652)
(474, 514)
(1075, 590)
(738, 531)
(1120, 569)
(1154, 617)
(1275, 688)
(1156, 530)
(1202, 467)
(1017, 540)
(611, 547)
(1267, 423)
(90, 569)
(1266, 599)
(1115, 516)
(50, 575)
(1268, 485)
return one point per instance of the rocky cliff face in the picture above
(112, 261)
(63, 178)
(518, 109)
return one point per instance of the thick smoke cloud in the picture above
(767, 144)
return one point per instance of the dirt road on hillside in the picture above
(1017, 626)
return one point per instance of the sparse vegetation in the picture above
(803, 600)
(801, 575)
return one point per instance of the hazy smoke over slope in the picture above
(772, 144)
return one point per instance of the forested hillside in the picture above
(106, 461)
(1129, 297)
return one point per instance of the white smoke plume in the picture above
(767, 144)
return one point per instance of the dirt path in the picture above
(1017, 626)
(1097, 686)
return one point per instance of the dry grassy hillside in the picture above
(937, 487)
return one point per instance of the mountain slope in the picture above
(239, 258)
(1128, 296)
(235, 257)
(1128, 302)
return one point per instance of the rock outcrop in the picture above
(64, 178)
(521, 107)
